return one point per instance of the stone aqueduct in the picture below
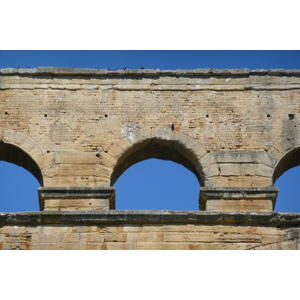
(78, 130)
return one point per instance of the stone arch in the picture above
(20, 149)
(159, 143)
(290, 159)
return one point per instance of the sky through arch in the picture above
(288, 199)
(157, 184)
(19, 190)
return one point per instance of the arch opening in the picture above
(290, 160)
(20, 177)
(168, 154)
(286, 177)
(15, 155)
(155, 184)
(159, 149)
(18, 189)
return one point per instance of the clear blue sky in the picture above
(146, 185)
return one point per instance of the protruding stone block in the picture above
(238, 199)
(77, 198)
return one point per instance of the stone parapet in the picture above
(149, 230)
(76, 198)
(238, 199)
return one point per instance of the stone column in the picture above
(77, 198)
(238, 199)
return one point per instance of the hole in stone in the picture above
(48, 151)
(173, 127)
(106, 115)
(45, 115)
(268, 115)
(207, 116)
(6, 113)
(291, 116)
(97, 155)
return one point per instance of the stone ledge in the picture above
(76, 192)
(148, 72)
(239, 193)
(67, 197)
(238, 199)
(138, 217)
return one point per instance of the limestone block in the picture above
(77, 198)
(238, 181)
(19, 138)
(118, 149)
(107, 160)
(103, 171)
(163, 134)
(115, 237)
(150, 237)
(83, 71)
(61, 71)
(68, 157)
(189, 237)
(239, 238)
(266, 159)
(120, 246)
(37, 151)
(265, 171)
(89, 238)
(207, 160)
(221, 246)
(51, 171)
(190, 144)
(212, 170)
(46, 161)
(161, 246)
(76, 204)
(77, 169)
(8, 135)
(283, 245)
(8, 70)
(59, 181)
(45, 70)
(29, 144)
(230, 169)
(238, 199)
(235, 156)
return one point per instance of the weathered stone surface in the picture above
(77, 198)
(241, 199)
(78, 129)
(155, 230)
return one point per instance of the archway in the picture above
(286, 177)
(20, 177)
(162, 150)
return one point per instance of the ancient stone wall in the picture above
(78, 130)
